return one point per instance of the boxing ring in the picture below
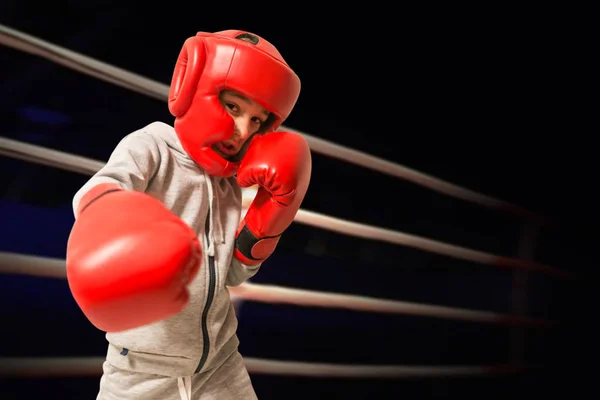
(24, 264)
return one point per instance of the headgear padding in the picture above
(211, 62)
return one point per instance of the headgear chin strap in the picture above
(211, 62)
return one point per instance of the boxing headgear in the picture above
(211, 62)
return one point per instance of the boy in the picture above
(157, 237)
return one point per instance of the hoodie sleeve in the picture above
(240, 273)
(131, 165)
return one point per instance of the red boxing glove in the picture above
(129, 259)
(280, 163)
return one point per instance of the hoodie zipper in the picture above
(209, 300)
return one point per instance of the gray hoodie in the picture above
(203, 335)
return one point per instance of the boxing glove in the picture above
(129, 259)
(280, 164)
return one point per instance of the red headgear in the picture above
(211, 62)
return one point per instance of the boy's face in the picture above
(249, 118)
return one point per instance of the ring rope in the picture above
(137, 83)
(48, 157)
(78, 62)
(51, 267)
(92, 366)
(70, 162)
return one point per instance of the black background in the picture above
(492, 100)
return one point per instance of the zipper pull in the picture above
(211, 247)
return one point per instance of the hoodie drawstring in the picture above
(216, 229)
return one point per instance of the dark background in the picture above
(490, 100)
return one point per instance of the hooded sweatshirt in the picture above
(203, 335)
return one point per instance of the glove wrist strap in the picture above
(252, 250)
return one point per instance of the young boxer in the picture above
(157, 237)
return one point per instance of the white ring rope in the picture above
(70, 162)
(48, 157)
(92, 366)
(137, 83)
(51, 267)
(78, 62)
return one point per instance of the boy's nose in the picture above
(243, 130)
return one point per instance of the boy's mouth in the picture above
(230, 151)
(226, 148)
